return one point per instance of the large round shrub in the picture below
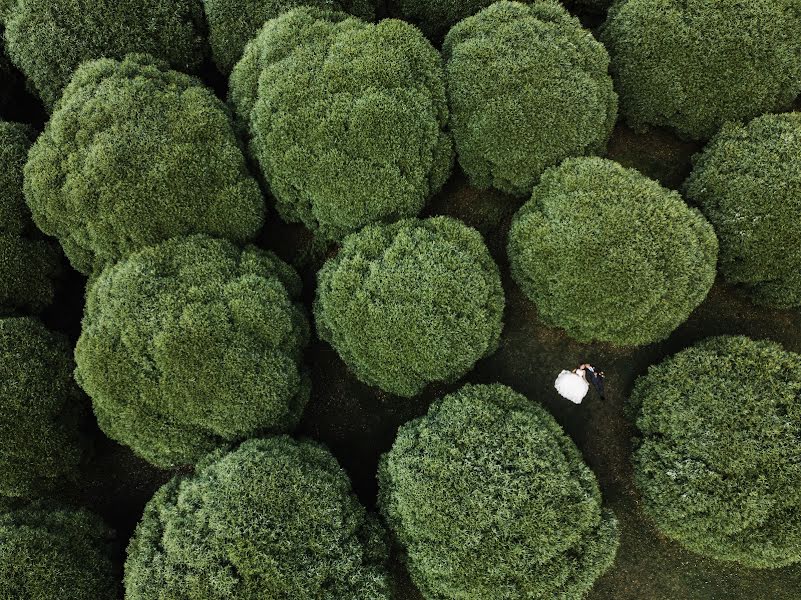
(411, 303)
(48, 39)
(491, 499)
(134, 154)
(528, 87)
(609, 255)
(41, 409)
(347, 119)
(748, 183)
(233, 23)
(274, 519)
(717, 464)
(49, 553)
(27, 263)
(193, 343)
(694, 64)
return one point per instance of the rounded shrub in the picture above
(134, 154)
(27, 263)
(233, 23)
(491, 499)
(346, 119)
(609, 255)
(54, 553)
(694, 64)
(747, 183)
(41, 409)
(191, 344)
(275, 518)
(717, 464)
(528, 87)
(48, 39)
(411, 303)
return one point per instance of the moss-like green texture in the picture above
(717, 464)
(274, 519)
(191, 344)
(491, 499)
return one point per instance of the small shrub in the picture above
(692, 65)
(27, 263)
(490, 499)
(48, 39)
(717, 464)
(49, 553)
(411, 303)
(41, 409)
(351, 128)
(609, 255)
(233, 23)
(135, 154)
(193, 343)
(528, 87)
(746, 181)
(274, 519)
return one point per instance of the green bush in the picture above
(746, 181)
(694, 64)
(411, 303)
(232, 23)
(48, 39)
(528, 87)
(491, 499)
(347, 119)
(191, 344)
(27, 264)
(135, 154)
(609, 255)
(41, 409)
(49, 553)
(274, 519)
(717, 464)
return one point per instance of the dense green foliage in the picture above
(748, 183)
(694, 64)
(53, 553)
(718, 465)
(274, 519)
(610, 255)
(411, 303)
(193, 343)
(346, 118)
(491, 499)
(40, 409)
(27, 264)
(233, 23)
(48, 39)
(136, 153)
(528, 87)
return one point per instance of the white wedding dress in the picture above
(572, 386)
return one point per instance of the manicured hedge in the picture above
(54, 553)
(528, 87)
(193, 343)
(491, 499)
(41, 409)
(48, 39)
(233, 23)
(411, 303)
(748, 183)
(610, 255)
(134, 154)
(274, 519)
(717, 464)
(346, 119)
(692, 65)
(27, 263)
